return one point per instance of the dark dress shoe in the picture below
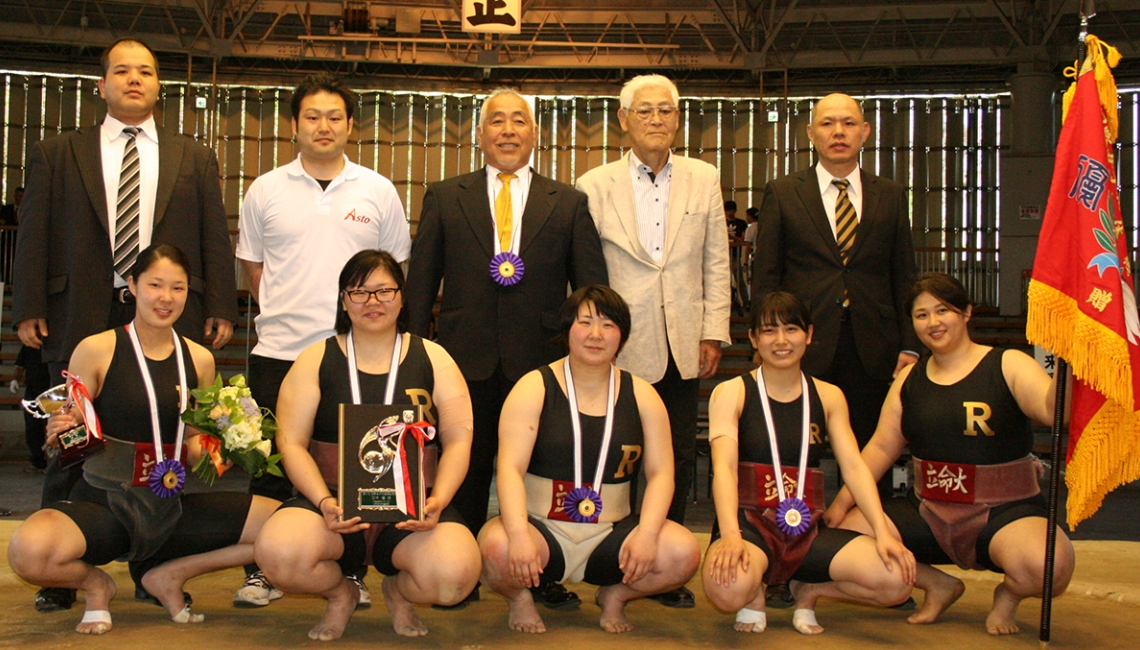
(143, 596)
(555, 596)
(472, 597)
(54, 599)
(779, 597)
(680, 598)
(908, 605)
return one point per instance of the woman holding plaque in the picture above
(767, 430)
(306, 547)
(965, 411)
(573, 435)
(139, 379)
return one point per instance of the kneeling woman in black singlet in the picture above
(965, 413)
(571, 438)
(766, 432)
(137, 376)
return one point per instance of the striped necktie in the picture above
(127, 211)
(503, 213)
(845, 220)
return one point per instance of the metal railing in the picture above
(976, 268)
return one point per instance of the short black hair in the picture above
(730, 205)
(607, 302)
(105, 57)
(780, 307)
(945, 288)
(323, 82)
(356, 270)
(753, 212)
(156, 252)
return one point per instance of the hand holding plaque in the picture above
(382, 476)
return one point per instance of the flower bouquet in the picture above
(233, 429)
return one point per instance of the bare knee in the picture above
(494, 550)
(36, 546)
(284, 559)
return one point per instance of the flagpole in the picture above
(1088, 10)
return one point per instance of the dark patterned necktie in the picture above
(845, 220)
(127, 210)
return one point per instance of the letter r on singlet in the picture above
(629, 457)
(421, 397)
(977, 413)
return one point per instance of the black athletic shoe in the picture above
(780, 597)
(680, 598)
(555, 596)
(472, 597)
(143, 596)
(54, 599)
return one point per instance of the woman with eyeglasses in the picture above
(305, 547)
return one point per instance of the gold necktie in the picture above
(503, 214)
(845, 220)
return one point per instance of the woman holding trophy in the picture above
(307, 546)
(573, 436)
(130, 502)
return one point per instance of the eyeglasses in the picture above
(645, 113)
(361, 296)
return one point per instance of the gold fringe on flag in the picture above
(1107, 457)
(1099, 356)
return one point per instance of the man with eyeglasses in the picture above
(661, 220)
(506, 242)
(299, 224)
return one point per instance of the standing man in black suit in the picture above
(83, 221)
(498, 323)
(839, 238)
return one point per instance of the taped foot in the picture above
(804, 622)
(750, 620)
(186, 616)
(94, 621)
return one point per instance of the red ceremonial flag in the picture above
(1081, 300)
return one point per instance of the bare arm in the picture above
(252, 272)
(725, 406)
(518, 431)
(1034, 390)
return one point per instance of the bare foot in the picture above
(613, 611)
(524, 616)
(341, 605)
(746, 618)
(940, 595)
(404, 618)
(1002, 617)
(98, 590)
(803, 618)
(166, 588)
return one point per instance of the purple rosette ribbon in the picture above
(167, 478)
(507, 268)
(793, 516)
(583, 505)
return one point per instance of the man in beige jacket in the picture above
(661, 221)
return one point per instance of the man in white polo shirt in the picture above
(299, 224)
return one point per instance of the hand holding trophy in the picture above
(78, 442)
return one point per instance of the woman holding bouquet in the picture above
(139, 378)
(767, 429)
(573, 436)
(305, 547)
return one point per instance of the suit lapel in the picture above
(679, 187)
(812, 200)
(870, 211)
(169, 160)
(621, 193)
(89, 158)
(477, 208)
(539, 204)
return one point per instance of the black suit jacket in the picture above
(482, 324)
(796, 251)
(64, 271)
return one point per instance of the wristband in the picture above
(323, 500)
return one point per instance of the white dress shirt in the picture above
(112, 144)
(830, 193)
(651, 202)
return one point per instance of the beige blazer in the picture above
(687, 298)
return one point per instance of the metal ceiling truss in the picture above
(733, 42)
